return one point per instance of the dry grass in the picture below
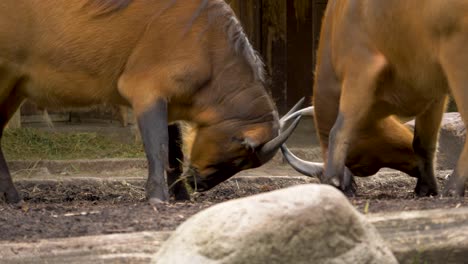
(30, 144)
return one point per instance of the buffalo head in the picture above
(219, 151)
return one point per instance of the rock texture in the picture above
(451, 140)
(303, 224)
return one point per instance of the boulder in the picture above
(451, 140)
(308, 223)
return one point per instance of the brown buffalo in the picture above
(378, 59)
(167, 59)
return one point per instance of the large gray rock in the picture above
(303, 224)
(451, 140)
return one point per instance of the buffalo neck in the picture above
(234, 94)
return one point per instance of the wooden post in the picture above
(15, 121)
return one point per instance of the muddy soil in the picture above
(90, 206)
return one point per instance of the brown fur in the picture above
(377, 58)
(192, 54)
(105, 7)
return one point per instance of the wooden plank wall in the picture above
(273, 48)
(286, 33)
(249, 13)
(299, 48)
(264, 21)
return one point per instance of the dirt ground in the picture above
(89, 206)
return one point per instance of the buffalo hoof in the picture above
(156, 202)
(348, 185)
(350, 190)
(453, 192)
(19, 205)
(12, 197)
(455, 186)
(156, 192)
(182, 195)
(350, 193)
(179, 192)
(333, 181)
(423, 189)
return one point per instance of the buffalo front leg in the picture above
(6, 183)
(153, 127)
(151, 112)
(7, 108)
(425, 144)
(357, 97)
(454, 61)
(176, 157)
(340, 137)
(348, 185)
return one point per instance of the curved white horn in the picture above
(295, 107)
(312, 169)
(308, 111)
(269, 149)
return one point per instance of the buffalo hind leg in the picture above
(176, 157)
(357, 97)
(425, 144)
(7, 108)
(454, 61)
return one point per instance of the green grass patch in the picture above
(33, 144)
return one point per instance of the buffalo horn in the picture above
(308, 111)
(269, 149)
(294, 108)
(312, 169)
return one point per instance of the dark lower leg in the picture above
(154, 133)
(456, 182)
(426, 184)
(424, 145)
(453, 59)
(6, 183)
(176, 157)
(7, 109)
(348, 185)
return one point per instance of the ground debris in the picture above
(92, 206)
